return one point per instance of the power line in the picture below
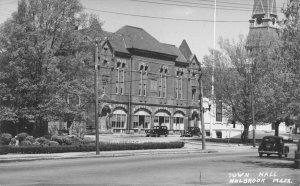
(240, 7)
(206, 6)
(162, 18)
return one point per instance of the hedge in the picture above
(91, 147)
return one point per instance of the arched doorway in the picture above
(118, 120)
(162, 118)
(141, 119)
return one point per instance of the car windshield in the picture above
(272, 140)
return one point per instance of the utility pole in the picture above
(252, 105)
(96, 97)
(201, 110)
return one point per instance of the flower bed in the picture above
(91, 147)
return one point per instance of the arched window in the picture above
(163, 82)
(143, 79)
(179, 84)
(120, 70)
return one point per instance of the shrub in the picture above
(76, 140)
(22, 136)
(42, 141)
(92, 147)
(57, 139)
(53, 143)
(66, 141)
(25, 143)
(13, 142)
(5, 138)
(30, 138)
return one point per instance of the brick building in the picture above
(145, 83)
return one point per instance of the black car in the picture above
(273, 145)
(157, 131)
(192, 131)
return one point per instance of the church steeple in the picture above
(263, 24)
(264, 14)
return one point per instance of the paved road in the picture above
(165, 169)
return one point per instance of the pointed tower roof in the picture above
(263, 24)
(265, 7)
(185, 50)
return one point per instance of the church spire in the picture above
(264, 13)
(263, 24)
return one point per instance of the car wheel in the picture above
(286, 155)
(268, 155)
(280, 155)
(166, 135)
(260, 154)
(158, 135)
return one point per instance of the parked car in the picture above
(273, 145)
(192, 131)
(157, 131)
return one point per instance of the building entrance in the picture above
(161, 120)
(142, 121)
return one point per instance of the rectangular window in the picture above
(155, 119)
(219, 111)
(167, 120)
(176, 88)
(165, 88)
(141, 84)
(181, 92)
(193, 93)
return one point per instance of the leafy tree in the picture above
(46, 66)
(289, 57)
(238, 72)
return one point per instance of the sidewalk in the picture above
(190, 147)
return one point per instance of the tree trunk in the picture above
(245, 134)
(276, 126)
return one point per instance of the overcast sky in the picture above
(198, 34)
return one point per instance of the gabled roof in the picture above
(173, 49)
(129, 38)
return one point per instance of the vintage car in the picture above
(273, 145)
(157, 131)
(192, 131)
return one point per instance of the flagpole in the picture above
(213, 70)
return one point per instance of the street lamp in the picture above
(249, 70)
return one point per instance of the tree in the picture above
(47, 66)
(237, 73)
(289, 57)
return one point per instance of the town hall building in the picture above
(145, 83)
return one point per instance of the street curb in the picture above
(104, 155)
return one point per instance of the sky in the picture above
(192, 20)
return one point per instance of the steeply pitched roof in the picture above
(128, 37)
(173, 49)
(266, 7)
(185, 50)
(138, 38)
